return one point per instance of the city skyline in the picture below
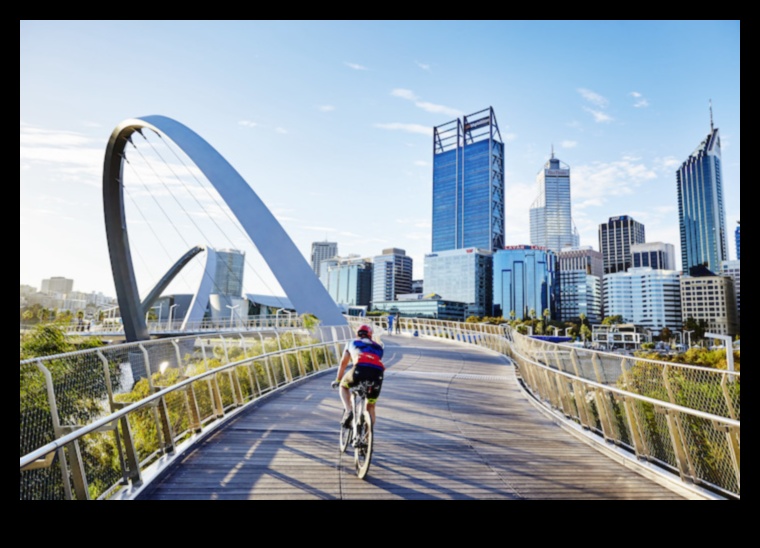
(324, 124)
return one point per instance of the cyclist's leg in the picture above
(345, 394)
(371, 411)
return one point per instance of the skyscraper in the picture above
(468, 183)
(321, 251)
(736, 235)
(524, 281)
(392, 275)
(462, 275)
(657, 255)
(580, 284)
(551, 222)
(348, 280)
(615, 239)
(228, 278)
(701, 213)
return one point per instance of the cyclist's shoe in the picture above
(348, 416)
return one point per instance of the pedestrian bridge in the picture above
(468, 411)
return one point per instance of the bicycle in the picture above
(360, 432)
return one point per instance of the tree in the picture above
(666, 334)
(612, 320)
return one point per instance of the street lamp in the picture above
(556, 329)
(688, 334)
(568, 329)
(232, 308)
(171, 314)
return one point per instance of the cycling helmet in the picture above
(364, 331)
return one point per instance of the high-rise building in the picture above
(321, 251)
(733, 270)
(551, 222)
(462, 275)
(468, 184)
(57, 284)
(348, 280)
(736, 235)
(580, 284)
(701, 213)
(228, 278)
(657, 255)
(524, 282)
(392, 274)
(645, 296)
(710, 297)
(616, 237)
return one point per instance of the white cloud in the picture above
(247, 123)
(326, 108)
(404, 94)
(421, 163)
(640, 101)
(425, 105)
(593, 97)
(410, 128)
(568, 144)
(356, 66)
(510, 137)
(599, 116)
(423, 66)
(281, 130)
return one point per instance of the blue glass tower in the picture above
(524, 280)
(701, 213)
(468, 184)
(736, 235)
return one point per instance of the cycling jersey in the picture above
(366, 352)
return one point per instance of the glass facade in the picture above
(524, 281)
(701, 213)
(551, 223)
(348, 280)
(463, 275)
(468, 184)
(657, 255)
(425, 308)
(580, 293)
(736, 235)
(228, 278)
(645, 296)
(321, 251)
(392, 275)
(616, 237)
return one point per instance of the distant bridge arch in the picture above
(288, 265)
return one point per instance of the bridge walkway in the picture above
(453, 423)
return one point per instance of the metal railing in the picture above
(682, 419)
(88, 430)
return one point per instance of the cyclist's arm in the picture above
(343, 363)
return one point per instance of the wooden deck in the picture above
(453, 423)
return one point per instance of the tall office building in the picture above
(616, 237)
(701, 214)
(462, 275)
(228, 278)
(321, 251)
(710, 297)
(468, 184)
(348, 280)
(551, 222)
(524, 281)
(57, 284)
(580, 284)
(645, 296)
(733, 270)
(736, 235)
(392, 275)
(657, 255)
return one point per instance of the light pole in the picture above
(568, 329)
(171, 314)
(688, 334)
(556, 329)
(232, 309)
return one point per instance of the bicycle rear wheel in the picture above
(363, 449)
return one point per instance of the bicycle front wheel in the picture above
(345, 436)
(363, 449)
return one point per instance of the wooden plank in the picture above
(453, 424)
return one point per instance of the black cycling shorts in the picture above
(371, 376)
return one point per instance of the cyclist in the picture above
(365, 355)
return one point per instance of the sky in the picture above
(331, 125)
